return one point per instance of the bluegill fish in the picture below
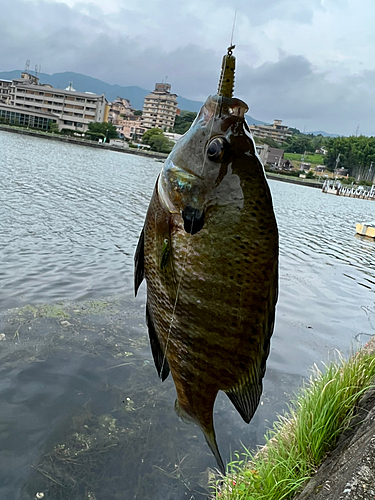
(209, 254)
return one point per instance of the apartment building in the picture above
(70, 109)
(118, 109)
(131, 127)
(277, 132)
(5, 90)
(160, 108)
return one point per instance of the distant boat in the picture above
(365, 230)
(335, 187)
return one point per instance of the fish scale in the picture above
(209, 254)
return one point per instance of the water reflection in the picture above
(77, 382)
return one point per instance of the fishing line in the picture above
(175, 305)
(185, 258)
(218, 102)
(234, 23)
(186, 252)
(189, 240)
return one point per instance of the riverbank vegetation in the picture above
(183, 121)
(299, 441)
(357, 154)
(157, 140)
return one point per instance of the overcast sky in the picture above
(310, 63)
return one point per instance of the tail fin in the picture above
(209, 434)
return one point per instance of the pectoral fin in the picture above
(164, 254)
(160, 360)
(139, 269)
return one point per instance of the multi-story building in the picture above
(159, 108)
(70, 109)
(5, 90)
(277, 132)
(131, 127)
(119, 108)
(33, 119)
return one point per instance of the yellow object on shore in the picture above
(365, 230)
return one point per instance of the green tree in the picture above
(298, 143)
(357, 154)
(149, 133)
(183, 121)
(268, 140)
(53, 127)
(103, 129)
(157, 140)
(138, 112)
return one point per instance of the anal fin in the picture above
(245, 397)
(160, 360)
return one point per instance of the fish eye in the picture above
(216, 149)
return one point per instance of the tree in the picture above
(183, 121)
(138, 112)
(149, 133)
(269, 141)
(103, 129)
(53, 127)
(157, 140)
(357, 154)
(298, 143)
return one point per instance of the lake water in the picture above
(82, 412)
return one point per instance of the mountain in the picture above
(83, 83)
(253, 121)
(321, 132)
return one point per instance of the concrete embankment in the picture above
(294, 180)
(84, 142)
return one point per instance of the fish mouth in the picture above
(193, 219)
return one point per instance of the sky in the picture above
(310, 63)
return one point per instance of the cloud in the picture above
(293, 90)
(295, 60)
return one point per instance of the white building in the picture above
(277, 132)
(159, 108)
(73, 110)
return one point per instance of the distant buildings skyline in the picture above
(27, 102)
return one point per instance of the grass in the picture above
(316, 159)
(300, 440)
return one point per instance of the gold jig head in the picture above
(226, 82)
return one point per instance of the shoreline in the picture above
(84, 142)
(152, 154)
(294, 180)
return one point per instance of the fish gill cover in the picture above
(209, 253)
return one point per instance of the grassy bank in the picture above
(300, 440)
(315, 159)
